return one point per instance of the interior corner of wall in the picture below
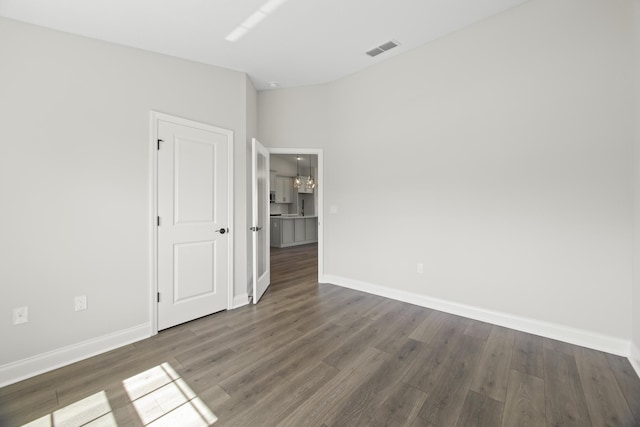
(634, 358)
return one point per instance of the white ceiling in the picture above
(302, 42)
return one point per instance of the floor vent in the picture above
(382, 48)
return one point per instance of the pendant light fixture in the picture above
(297, 182)
(310, 182)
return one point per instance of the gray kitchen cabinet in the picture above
(276, 238)
(311, 229)
(291, 231)
(299, 230)
(288, 235)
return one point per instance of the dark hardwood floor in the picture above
(321, 355)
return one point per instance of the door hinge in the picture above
(158, 297)
(158, 221)
(159, 141)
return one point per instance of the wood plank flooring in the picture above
(320, 355)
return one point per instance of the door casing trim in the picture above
(154, 118)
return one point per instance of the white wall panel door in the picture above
(260, 228)
(193, 236)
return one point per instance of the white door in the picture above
(260, 225)
(194, 214)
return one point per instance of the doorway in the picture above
(309, 164)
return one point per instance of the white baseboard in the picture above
(240, 300)
(546, 329)
(634, 358)
(32, 366)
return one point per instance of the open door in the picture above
(260, 228)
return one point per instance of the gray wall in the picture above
(636, 279)
(499, 156)
(75, 178)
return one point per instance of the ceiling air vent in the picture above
(382, 48)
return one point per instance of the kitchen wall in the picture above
(282, 165)
(508, 146)
(75, 184)
(281, 208)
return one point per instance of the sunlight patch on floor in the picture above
(159, 395)
(162, 398)
(91, 411)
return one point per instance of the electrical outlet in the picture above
(81, 303)
(420, 268)
(20, 315)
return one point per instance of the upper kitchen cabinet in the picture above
(284, 185)
(272, 180)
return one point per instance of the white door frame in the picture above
(320, 189)
(154, 118)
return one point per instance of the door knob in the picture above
(222, 230)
